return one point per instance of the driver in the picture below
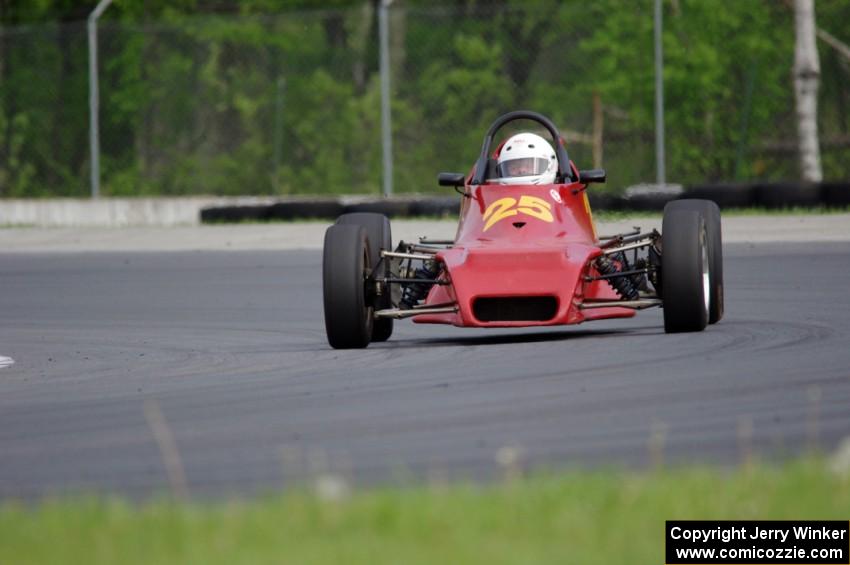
(527, 158)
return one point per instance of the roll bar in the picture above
(565, 172)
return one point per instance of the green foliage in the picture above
(279, 97)
(709, 55)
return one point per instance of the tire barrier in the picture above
(773, 195)
(435, 207)
(731, 195)
(650, 197)
(835, 194)
(235, 214)
(787, 194)
(392, 208)
(315, 209)
(725, 195)
(605, 200)
(648, 202)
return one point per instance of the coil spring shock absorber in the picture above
(414, 292)
(639, 280)
(623, 285)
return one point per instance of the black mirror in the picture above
(451, 179)
(591, 175)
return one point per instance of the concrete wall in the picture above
(113, 212)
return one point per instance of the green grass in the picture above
(583, 517)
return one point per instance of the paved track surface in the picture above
(230, 347)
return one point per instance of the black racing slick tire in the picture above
(380, 237)
(346, 265)
(711, 212)
(685, 271)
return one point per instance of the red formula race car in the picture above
(526, 253)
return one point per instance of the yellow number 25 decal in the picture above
(507, 207)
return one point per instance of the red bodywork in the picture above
(522, 241)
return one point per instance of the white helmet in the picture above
(527, 158)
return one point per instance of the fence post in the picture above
(660, 172)
(386, 118)
(94, 98)
(280, 87)
(598, 125)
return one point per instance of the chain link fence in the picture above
(290, 103)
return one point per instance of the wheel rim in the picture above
(706, 281)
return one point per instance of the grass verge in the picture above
(585, 517)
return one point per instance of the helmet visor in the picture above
(523, 167)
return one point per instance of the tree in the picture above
(806, 81)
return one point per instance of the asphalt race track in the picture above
(229, 348)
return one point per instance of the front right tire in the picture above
(380, 237)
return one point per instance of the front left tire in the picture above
(685, 271)
(711, 213)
